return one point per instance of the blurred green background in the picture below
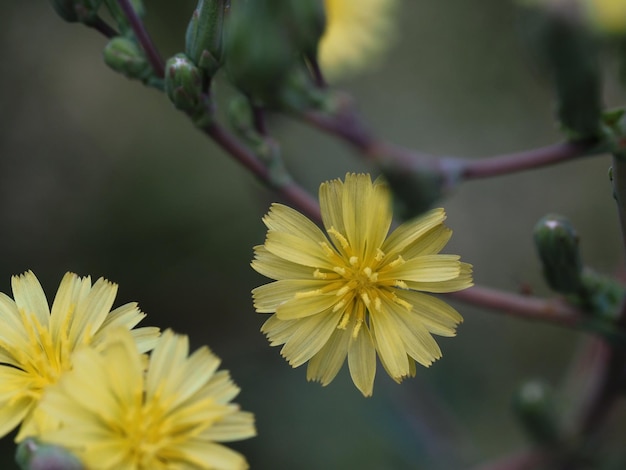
(101, 176)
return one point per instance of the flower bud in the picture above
(308, 21)
(124, 56)
(34, 455)
(557, 245)
(534, 406)
(76, 10)
(203, 41)
(259, 50)
(183, 85)
(569, 52)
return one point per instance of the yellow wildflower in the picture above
(37, 344)
(170, 417)
(357, 32)
(357, 292)
(608, 16)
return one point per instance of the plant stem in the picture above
(520, 461)
(290, 191)
(347, 125)
(521, 306)
(143, 38)
(103, 28)
(526, 160)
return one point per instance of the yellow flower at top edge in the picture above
(357, 292)
(608, 16)
(37, 343)
(357, 32)
(173, 416)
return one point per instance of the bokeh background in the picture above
(102, 176)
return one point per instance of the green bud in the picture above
(126, 57)
(307, 22)
(535, 408)
(32, 454)
(417, 188)
(259, 50)
(569, 52)
(203, 41)
(557, 245)
(76, 10)
(183, 85)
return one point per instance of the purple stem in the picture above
(143, 37)
(103, 28)
(290, 191)
(520, 306)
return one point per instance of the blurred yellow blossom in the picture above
(357, 292)
(357, 32)
(608, 16)
(118, 414)
(37, 343)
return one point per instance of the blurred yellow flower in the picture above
(357, 32)
(608, 16)
(118, 414)
(37, 345)
(357, 292)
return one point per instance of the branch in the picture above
(103, 28)
(143, 38)
(290, 191)
(521, 461)
(347, 125)
(521, 306)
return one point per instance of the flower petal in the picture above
(436, 315)
(362, 361)
(429, 268)
(30, 297)
(274, 267)
(409, 232)
(281, 218)
(389, 343)
(297, 250)
(462, 281)
(431, 243)
(311, 335)
(268, 297)
(324, 366)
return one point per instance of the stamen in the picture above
(366, 299)
(339, 238)
(354, 260)
(380, 254)
(401, 284)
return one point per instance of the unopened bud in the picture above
(557, 245)
(76, 10)
(126, 57)
(535, 408)
(34, 455)
(203, 41)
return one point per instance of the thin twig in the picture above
(290, 191)
(347, 125)
(521, 306)
(143, 38)
(526, 160)
(103, 27)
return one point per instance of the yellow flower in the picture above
(37, 344)
(608, 16)
(115, 416)
(359, 292)
(357, 32)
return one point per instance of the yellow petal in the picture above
(362, 361)
(281, 218)
(429, 268)
(311, 335)
(409, 232)
(30, 297)
(297, 250)
(462, 281)
(436, 315)
(324, 366)
(389, 343)
(268, 297)
(272, 266)
(431, 243)
(305, 307)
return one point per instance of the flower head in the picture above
(116, 413)
(357, 292)
(357, 31)
(37, 344)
